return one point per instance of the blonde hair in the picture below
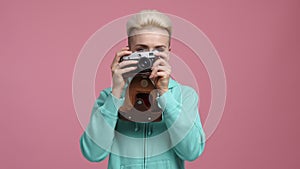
(149, 18)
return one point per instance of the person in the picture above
(179, 135)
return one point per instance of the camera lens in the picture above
(144, 63)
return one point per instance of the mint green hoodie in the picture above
(156, 145)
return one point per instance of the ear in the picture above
(170, 49)
(128, 43)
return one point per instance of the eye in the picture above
(140, 49)
(160, 49)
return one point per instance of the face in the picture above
(149, 40)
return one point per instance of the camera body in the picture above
(145, 60)
(140, 103)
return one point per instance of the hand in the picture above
(118, 69)
(161, 71)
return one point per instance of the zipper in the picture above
(145, 143)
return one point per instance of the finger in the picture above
(156, 69)
(162, 74)
(127, 63)
(121, 54)
(116, 61)
(164, 68)
(153, 72)
(163, 55)
(127, 69)
(159, 61)
(125, 48)
(118, 57)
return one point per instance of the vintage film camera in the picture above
(145, 60)
(140, 103)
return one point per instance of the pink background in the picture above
(258, 42)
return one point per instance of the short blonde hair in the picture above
(148, 18)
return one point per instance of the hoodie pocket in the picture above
(160, 164)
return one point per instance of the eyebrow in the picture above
(145, 46)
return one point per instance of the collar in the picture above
(172, 83)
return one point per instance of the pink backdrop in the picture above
(258, 43)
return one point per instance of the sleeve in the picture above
(182, 119)
(96, 141)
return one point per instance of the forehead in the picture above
(150, 39)
(150, 36)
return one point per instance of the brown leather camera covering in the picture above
(140, 103)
